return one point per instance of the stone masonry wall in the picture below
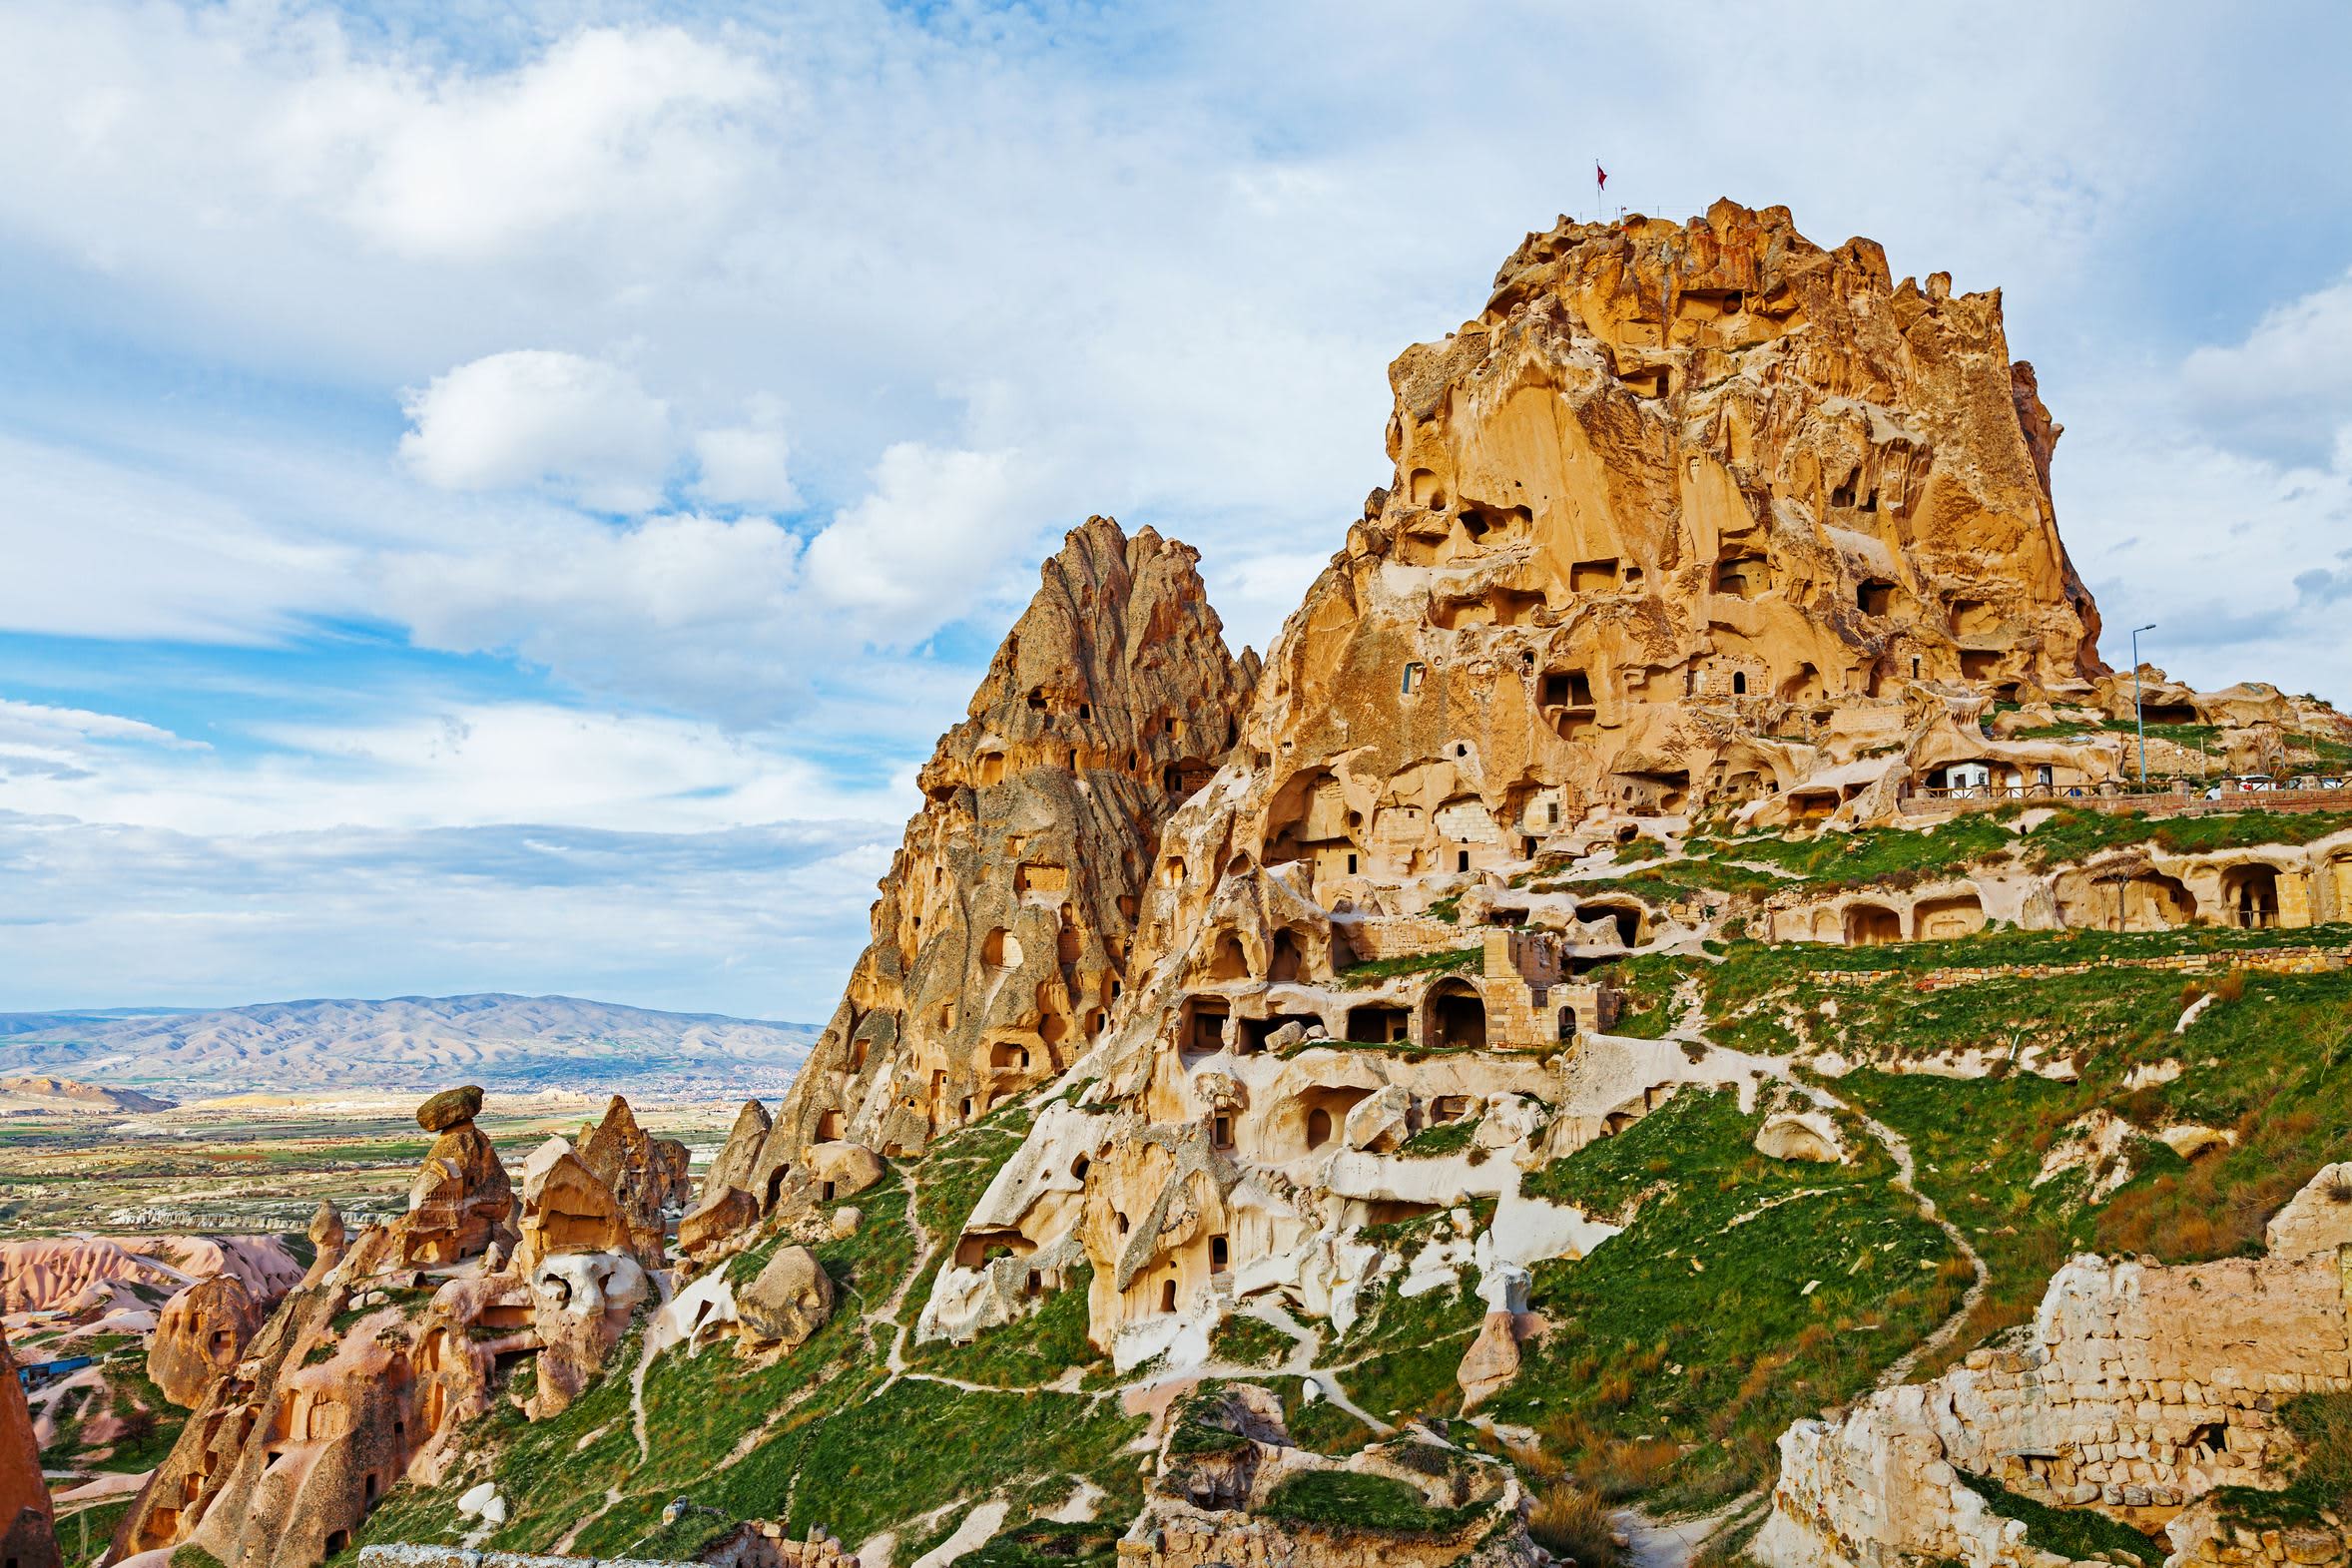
(2138, 1389)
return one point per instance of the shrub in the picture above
(1346, 1500)
(1574, 1524)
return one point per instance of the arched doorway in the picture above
(1456, 1016)
(2250, 896)
(1871, 926)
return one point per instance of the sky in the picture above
(503, 497)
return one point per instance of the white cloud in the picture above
(756, 922)
(934, 527)
(609, 122)
(685, 608)
(532, 415)
(91, 548)
(747, 465)
(2287, 387)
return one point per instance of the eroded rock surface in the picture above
(26, 1520)
(1001, 937)
(201, 1333)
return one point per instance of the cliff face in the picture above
(1002, 937)
(1689, 514)
(25, 1516)
(1691, 517)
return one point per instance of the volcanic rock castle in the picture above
(1351, 1108)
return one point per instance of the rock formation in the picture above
(790, 1299)
(646, 1174)
(461, 1200)
(2138, 1390)
(1001, 937)
(27, 1536)
(327, 1241)
(201, 1333)
(567, 1209)
(365, 1371)
(1693, 520)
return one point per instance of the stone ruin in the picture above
(2138, 1390)
(363, 1375)
(1205, 1504)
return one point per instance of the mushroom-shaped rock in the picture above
(1381, 1122)
(461, 1200)
(846, 1167)
(201, 1333)
(450, 1108)
(790, 1301)
(1801, 1135)
(328, 1239)
(722, 1214)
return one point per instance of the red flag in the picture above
(1600, 177)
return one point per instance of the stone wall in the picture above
(2138, 1389)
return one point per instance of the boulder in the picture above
(723, 1213)
(848, 1169)
(450, 1108)
(790, 1300)
(201, 1333)
(1381, 1122)
(1801, 1135)
(845, 1221)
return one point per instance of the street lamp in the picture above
(2139, 721)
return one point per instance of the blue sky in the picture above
(497, 496)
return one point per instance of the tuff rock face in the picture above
(461, 1200)
(1690, 516)
(201, 1333)
(647, 1174)
(26, 1532)
(1001, 937)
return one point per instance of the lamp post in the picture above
(2139, 719)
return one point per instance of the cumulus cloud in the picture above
(685, 608)
(748, 464)
(935, 525)
(529, 416)
(609, 121)
(2287, 387)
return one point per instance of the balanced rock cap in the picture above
(450, 1108)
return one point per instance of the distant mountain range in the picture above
(409, 1042)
